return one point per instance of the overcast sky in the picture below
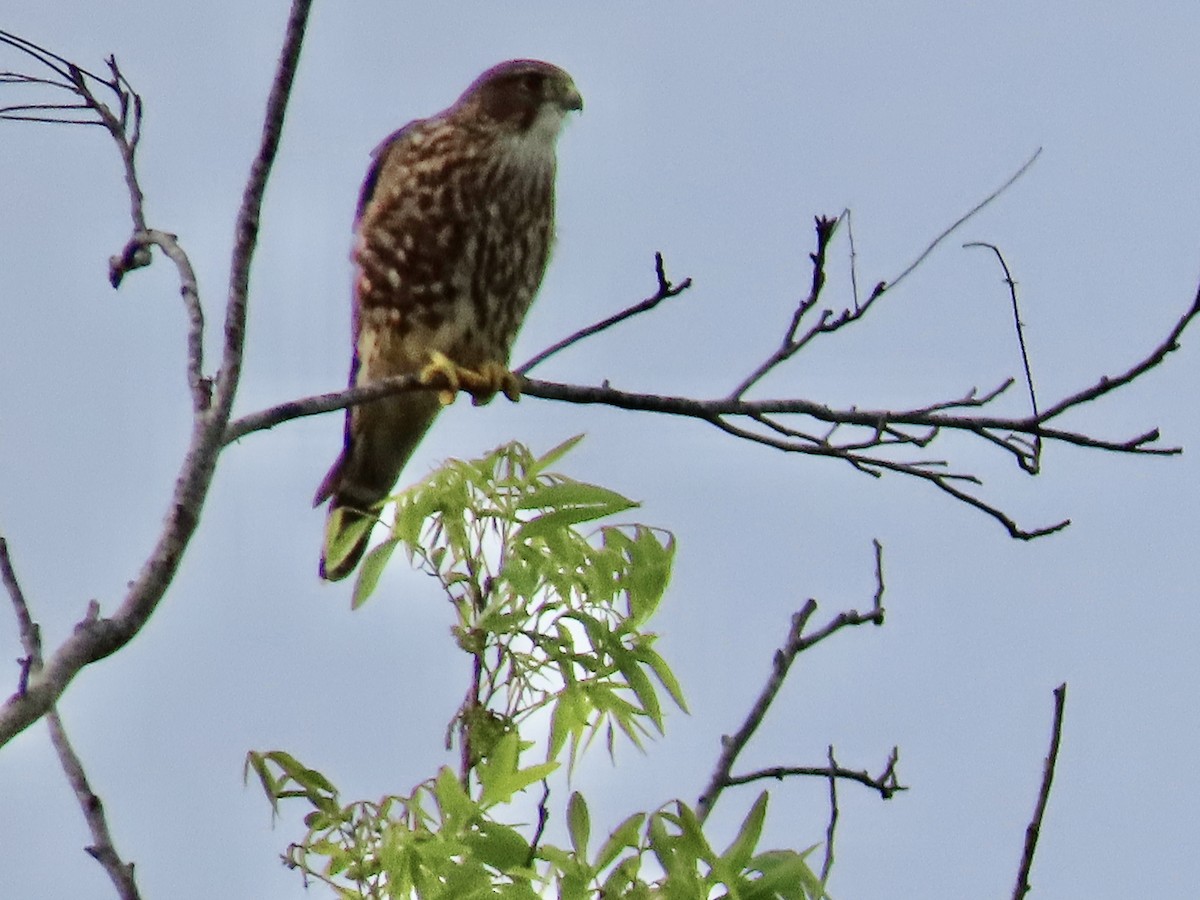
(714, 135)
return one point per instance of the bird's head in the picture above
(524, 96)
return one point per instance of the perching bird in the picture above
(453, 233)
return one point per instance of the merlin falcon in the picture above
(453, 232)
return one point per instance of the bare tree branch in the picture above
(96, 637)
(1035, 824)
(831, 828)
(791, 345)
(885, 429)
(31, 638)
(967, 216)
(797, 642)
(1106, 385)
(542, 819)
(1032, 462)
(886, 783)
(869, 440)
(827, 322)
(1017, 323)
(102, 849)
(665, 291)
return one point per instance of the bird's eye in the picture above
(532, 82)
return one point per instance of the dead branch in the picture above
(871, 441)
(886, 783)
(95, 637)
(102, 848)
(666, 290)
(864, 438)
(831, 828)
(797, 642)
(1035, 824)
(1032, 462)
(827, 322)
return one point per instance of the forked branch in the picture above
(797, 642)
(871, 441)
(102, 848)
(95, 636)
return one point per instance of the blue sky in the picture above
(713, 134)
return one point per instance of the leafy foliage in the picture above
(554, 618)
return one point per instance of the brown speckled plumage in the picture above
(453, 234)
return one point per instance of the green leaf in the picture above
(258, 763)
(568, 720)
(739, 852)
(311, 784)
(369, 571)
(578, 823)
(550, 457)
(499, 845)
(569, 493)
(678, 854)
(623, 881)
(502, 790)
(623, 836)
(501, 778)
(545, 525)
(649, 572)
(455, 805)
(785, 874)
(641, 686)
(664, 674)
(693, 832)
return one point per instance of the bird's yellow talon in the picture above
(441, 368)
(482, 384)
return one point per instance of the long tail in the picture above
(347, 535)
(380, 438)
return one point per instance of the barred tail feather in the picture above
(347, 534)
(381, 438)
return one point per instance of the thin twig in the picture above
(1017, 323)
(1033, 463)
(124, 126)
(830, 830)
(886, 426)
(665, 291)
(31, 638)
(1035, 824)
(1014, 530)
(791, 345)
(928, 416)
(797, 642)
(543, 818)
(848, 215)
(1106, 385)
(248, 218)
(872, 453)
(59, 65)
(827, 322)
(102, 848)
(886, 783)
(963, 219)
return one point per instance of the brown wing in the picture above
(409, 255)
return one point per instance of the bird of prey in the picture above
(453, 232)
